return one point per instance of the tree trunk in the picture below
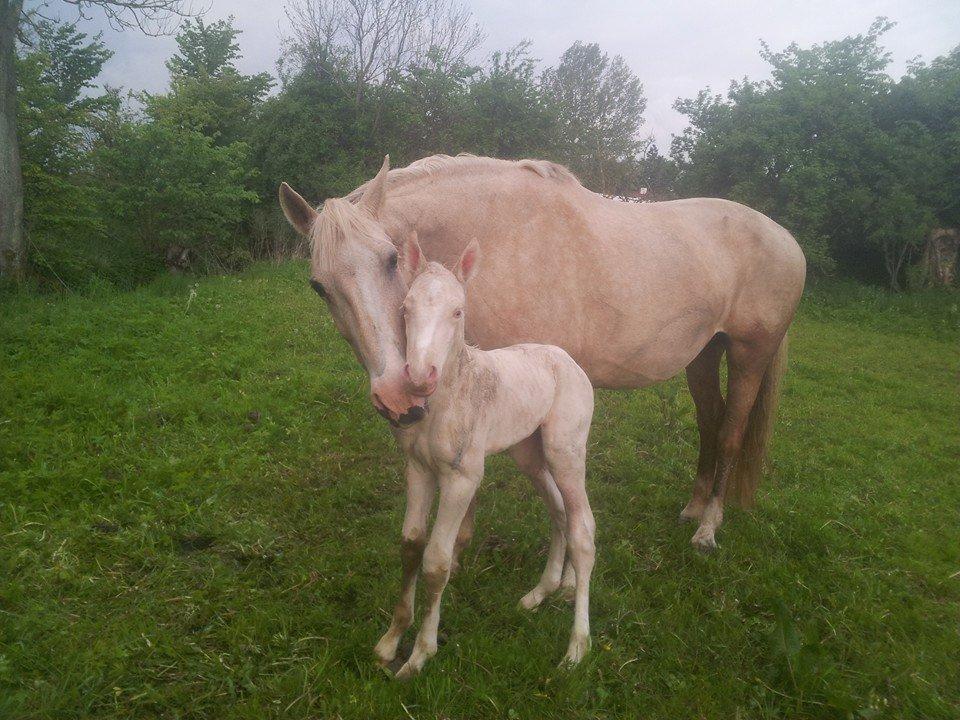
(11, 180)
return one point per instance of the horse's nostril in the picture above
(433, 373)
(406, 371)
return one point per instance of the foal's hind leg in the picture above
(703, 379)
(569, 469)
(747, 365)
(528, 454)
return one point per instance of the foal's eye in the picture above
(392, 262)
(315, 284)
(458, 313)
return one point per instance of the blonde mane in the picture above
(337, 218)
(465, 162)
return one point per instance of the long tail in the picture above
(756, 437)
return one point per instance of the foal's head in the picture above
(433, 312)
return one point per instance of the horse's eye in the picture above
(458, 313)
(315, 284)
(392, 262)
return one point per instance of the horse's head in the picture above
(354, 268)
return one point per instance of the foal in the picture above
(532, 400)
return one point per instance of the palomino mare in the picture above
(531, 400)
(635, 293)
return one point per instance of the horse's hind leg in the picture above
(748, 363)
(703, 379)
(528, 454)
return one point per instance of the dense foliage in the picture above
(859, 166)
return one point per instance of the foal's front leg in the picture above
(420, 490)
(457, 490)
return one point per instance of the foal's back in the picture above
(541, 387)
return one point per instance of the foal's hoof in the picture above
(411, 668)
(703, 540)
(407, 672)
(531, 601)
(578, 648)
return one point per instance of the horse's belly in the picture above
(648, 360)
(625, 352)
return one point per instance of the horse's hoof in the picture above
(704, 541)
(690, 512)
(385, 652)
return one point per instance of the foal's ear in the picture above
(412, 261)
(376, 192)
(299, 212)
(468, 263)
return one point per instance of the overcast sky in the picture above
(676, 47)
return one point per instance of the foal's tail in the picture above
(756, 437)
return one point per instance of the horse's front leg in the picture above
(457, 490)
(420, 489)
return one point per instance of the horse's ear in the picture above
(412, 261)
(298, 211)
(468, 263)
(376, 192)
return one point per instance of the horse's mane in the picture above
(336, 218)
(464, 162)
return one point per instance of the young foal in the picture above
(533, 400)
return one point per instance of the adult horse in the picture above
(635, 293)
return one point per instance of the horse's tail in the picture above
(756, 437)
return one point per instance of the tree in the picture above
(207, 93)
(600, 104)
(59, 117)
(512, 117)
(831, 148)
(205, 50)
(172, 186)
(149, 16)
(656, 173)
(362, 43)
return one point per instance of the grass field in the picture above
(199, 515)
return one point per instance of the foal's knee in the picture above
(436, 569)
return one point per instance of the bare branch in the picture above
(358, 43)
(151, 17)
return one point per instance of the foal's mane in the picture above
(467, 163)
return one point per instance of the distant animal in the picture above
(531, 400)
(635, 293)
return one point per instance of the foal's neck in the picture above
(453, 367)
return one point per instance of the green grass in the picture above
(199, 515)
